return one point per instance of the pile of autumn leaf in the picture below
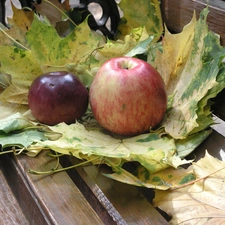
(191, 64)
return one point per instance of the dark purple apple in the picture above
(128, 96)
(57, 97)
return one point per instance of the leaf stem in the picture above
(194, 181)
(55, 170)
(13, 150)
(14, 40)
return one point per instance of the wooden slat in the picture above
(52, 199)
(176, 14)
(125, 203)
(10, 211)
(56, 199)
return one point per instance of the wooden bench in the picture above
(83, 195)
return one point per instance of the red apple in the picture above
(128, 96)
(57, 97)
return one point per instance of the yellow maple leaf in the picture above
(201, 203)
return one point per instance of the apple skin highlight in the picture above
(128, 96)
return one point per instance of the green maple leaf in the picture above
(141, 13)
(14, 122)
(161, 180)
(23, 68)
(49, 48)
(47, 52)
(23, 139)
(18, 132)
(150, 150)
(119, 48)
(19, 24)
(191, 67)
(35, 47)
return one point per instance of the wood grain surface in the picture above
(124, 203)
(46, 199)
(10, 211)
(176, 14)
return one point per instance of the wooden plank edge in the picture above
(124, 203)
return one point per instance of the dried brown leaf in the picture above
(52, 9)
